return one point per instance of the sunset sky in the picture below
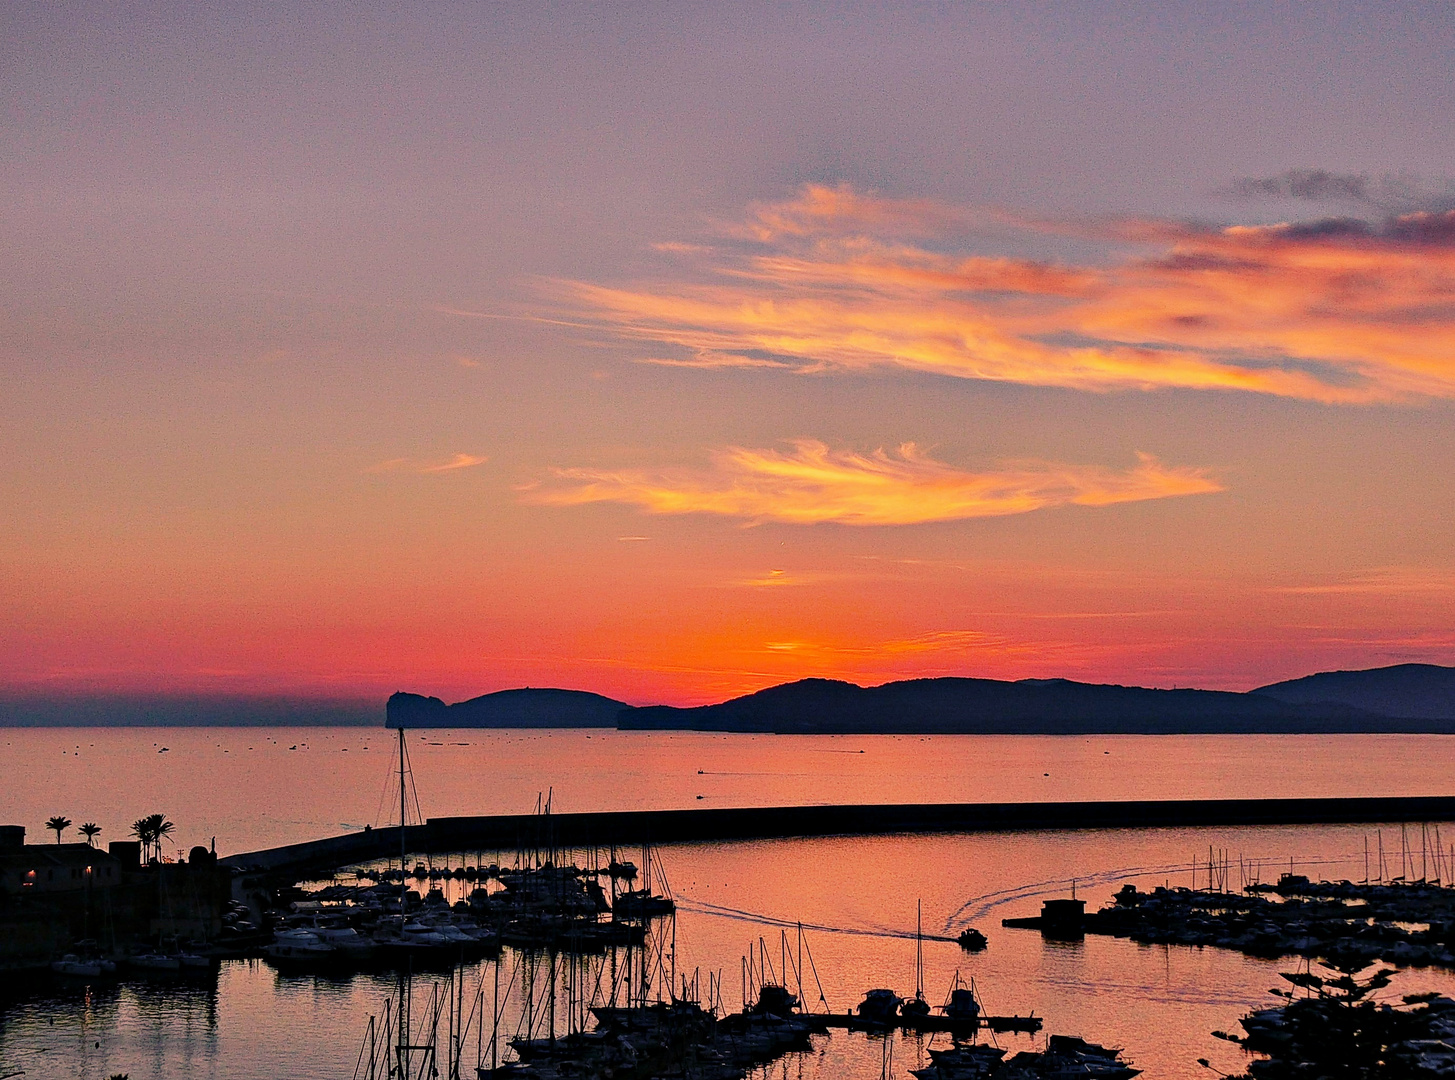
(673, 351)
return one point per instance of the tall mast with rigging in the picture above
(403, 852)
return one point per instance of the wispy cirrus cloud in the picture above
(1417, 582)
(706, 359)
(772, 579)
(811, 484)
(1335, 310)
(425, 468)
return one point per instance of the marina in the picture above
(327, 951)
(1163, 1004)
(1410, 922)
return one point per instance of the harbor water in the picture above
(856, 897)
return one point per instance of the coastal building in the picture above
(52, 868)
(52, 895)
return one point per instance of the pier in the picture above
(959, 1027)
(503, 832)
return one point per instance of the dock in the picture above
(952, 1025)
(506, 832)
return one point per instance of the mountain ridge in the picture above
(1401, 698)
(1424, 691)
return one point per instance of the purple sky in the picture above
(252, 446)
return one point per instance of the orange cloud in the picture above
(1337, 311)
(810, 484)
(818, 208)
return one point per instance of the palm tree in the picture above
(90, 831)
(164, 829)
(141, 828)
(59, 824)
(151, 830)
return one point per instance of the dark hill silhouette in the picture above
(525, 708)
(1405, 698)
(1031, 706)
(1426, 691)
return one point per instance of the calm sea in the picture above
(857, 896)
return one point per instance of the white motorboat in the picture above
(155, 962)
(299, 945)
(345, 939)
(73, 965)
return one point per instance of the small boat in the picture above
(774, 1000)
(346, 940)
(420, 933)
(298, 945)
(74, 966)
(914, 1008)
(973, 1061)
(971, 940)
(1067, 1057)
(194, 961)
(641, 903)
(962, 1004)
(966, 1054)
(880, 1007)
(413, 939)
(155, 962)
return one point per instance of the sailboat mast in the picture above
(405, 988)
(919, 950)
(799, 969)
(403, 852)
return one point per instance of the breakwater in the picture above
(505, 832)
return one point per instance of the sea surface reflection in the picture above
(259, 787)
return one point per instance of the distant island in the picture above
(524, 708)
(1402, 698)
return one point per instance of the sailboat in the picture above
(642, 903)
(917, 1006)
(961, 1003)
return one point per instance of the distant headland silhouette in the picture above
(1401, 698)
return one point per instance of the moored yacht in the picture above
(299, 945)
(880, 1006)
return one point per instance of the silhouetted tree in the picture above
(151, 830)
(141, 828)
(1337, 1031)
(163, 830)
(59, 825)
(90, 830)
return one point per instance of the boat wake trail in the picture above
(700, 907)
(977, 907)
